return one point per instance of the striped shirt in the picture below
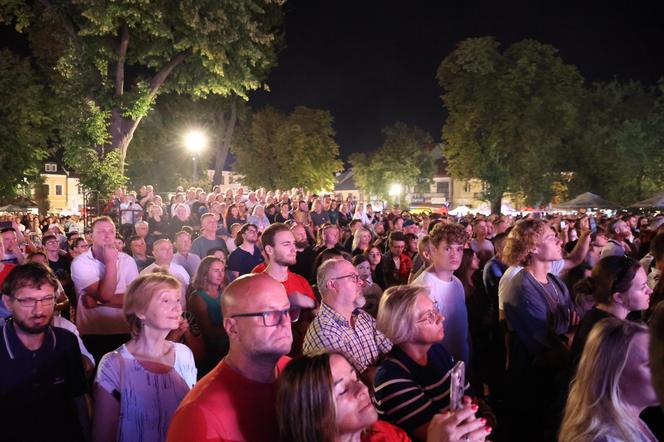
(408, 395)
(361, 344)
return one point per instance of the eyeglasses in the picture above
(272, 318)
(354, 276)
(46, 301)
(430, 316)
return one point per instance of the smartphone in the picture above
(592, 223)
(457, 384)
(563, 224)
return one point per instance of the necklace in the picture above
(547, 293)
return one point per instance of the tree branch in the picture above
(161, 76)
(122, 56)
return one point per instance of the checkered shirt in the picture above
(362, 344)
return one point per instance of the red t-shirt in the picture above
(5, 271)
(226, 406)
(382, 431)
(294, 284)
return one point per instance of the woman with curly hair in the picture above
(540, 314)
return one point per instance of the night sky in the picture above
(372, 63)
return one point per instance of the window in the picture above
(466, 188)
(443, 187)
(50, 167)
(58, 189)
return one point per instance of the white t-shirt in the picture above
(101, 320)
(451, 300)
(148, 400)
(556, 268)
(59, 321)
(179, 272)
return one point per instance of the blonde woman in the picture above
(361, 241)
(612, 386)
(412, 384)
(139, 386)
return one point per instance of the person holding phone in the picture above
(321, 399)
(412, 384)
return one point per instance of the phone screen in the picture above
(457, 383)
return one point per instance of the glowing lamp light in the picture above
(395, 189)
(195, 141)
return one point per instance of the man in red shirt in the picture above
(279, 246)
(236, 400)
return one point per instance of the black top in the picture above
(592, 317)
(408, 394)
(37, 388)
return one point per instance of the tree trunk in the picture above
(122, 131)
(496, 204)
(223, 140)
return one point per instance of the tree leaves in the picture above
(509, 114)
(404, 158)
(280, 151)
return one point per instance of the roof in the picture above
(588, 200)
(345, 181)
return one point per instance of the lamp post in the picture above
(195, 142)
(395, 192)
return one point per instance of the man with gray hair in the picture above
(341, 325)
(163, 256)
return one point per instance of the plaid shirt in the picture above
(362, 344)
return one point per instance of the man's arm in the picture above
(81, 404)
(579, 253)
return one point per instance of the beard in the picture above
(31, 329)
(301, 245)
(283, 261)
(360, 301)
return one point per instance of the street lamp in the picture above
(195, 142)
(395, 192)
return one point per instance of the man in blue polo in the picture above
(41, 377)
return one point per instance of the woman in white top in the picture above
(612, 386)
(139, 386)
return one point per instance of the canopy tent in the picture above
(656, 201)
(587, 201)
(10, 208)
(460, 211)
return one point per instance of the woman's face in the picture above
(364, 270)
(428, 321)
(181, 212)
(475, 262)
(235, 211)
(215, 274)
(353, 408)
(635, 382)
(365, 237)
(374, 256)
(164, 310)
(638, 296)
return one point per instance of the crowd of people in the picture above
(290, 316)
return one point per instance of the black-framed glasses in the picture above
(431, 315)
(272, 318)
(46, 301)
(354, 276)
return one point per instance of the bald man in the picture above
(236, 400)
